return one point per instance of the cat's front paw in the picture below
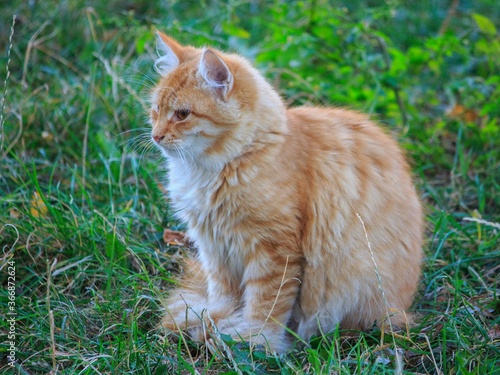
(269, 335)
(183, 311)
(191, 318)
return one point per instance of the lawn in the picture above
(84, 265)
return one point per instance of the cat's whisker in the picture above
(119, 79)
(131, 131)
(183, 151)
(138, 73)
(149, 148)
(137, 138)
(179, 152)
(139, 144)
(187, 149)
(140, 83)
(141, 78)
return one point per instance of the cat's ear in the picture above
(216, 73)
(168, 51)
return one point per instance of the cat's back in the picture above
(340, 130)
(346, 141)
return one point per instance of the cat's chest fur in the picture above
(217, 215)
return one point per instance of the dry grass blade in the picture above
(397, 351)
(7, 74)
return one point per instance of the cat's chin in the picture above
(170, 152)
(175, 152)
(189, 150)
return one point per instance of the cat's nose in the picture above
(158, 138)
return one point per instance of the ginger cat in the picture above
(276, 201)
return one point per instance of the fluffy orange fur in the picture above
(276, 201)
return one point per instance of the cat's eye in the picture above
(181, 114)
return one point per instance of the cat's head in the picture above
(207, 104)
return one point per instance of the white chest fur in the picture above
(215, 216)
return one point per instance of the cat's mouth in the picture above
(177, 146)
(168, 143)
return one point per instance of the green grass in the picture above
(82, 212)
